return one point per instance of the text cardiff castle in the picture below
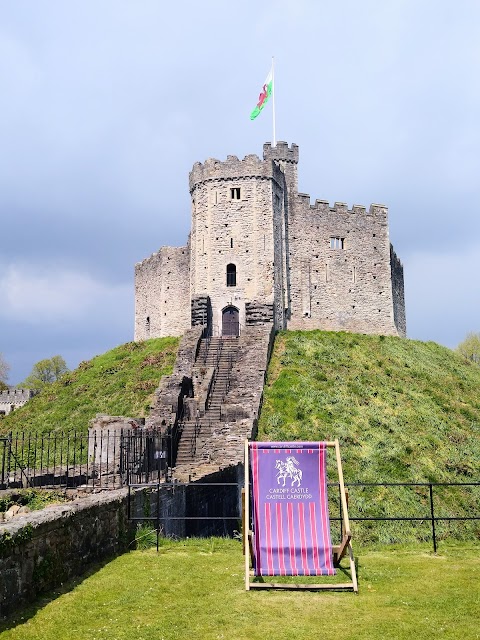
(259, 252)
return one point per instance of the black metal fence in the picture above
(104, 459)
(109, 459)
(422, 518)
(431, 509)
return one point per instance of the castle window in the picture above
(235, 193)
(337, 243)
(147, 325)
(231, 243)
(231, 275)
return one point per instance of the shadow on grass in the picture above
(27, 611)
(292, 582)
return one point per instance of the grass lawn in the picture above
(194, 589)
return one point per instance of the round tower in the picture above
(237, 241)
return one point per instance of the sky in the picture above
(106, 104)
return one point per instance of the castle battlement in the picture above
(341, 208)
(232, 168)
(167, 253)
(11, 399)
(256, 242)
(281, 151)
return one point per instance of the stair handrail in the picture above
(193, 440)
(211, 386)
(229, 378)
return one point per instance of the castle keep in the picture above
(259, 253)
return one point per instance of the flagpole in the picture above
(274, 142)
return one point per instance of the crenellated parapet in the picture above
(11, 399)
(232, 168)
(164, 255)
(341, 208)
(281, 151)
(16, 396)
(261, 252)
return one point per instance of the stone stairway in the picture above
(218, 354)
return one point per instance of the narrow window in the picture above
(326, 273)
(337, 243)
(231, 275)
(231, 243)
(147, 325)
(354, 274)
(235, 193)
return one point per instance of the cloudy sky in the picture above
(106, 104)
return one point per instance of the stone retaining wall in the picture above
(43, 549)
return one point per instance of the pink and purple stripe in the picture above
(290, 509)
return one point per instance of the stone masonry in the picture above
(260, 253)
(12, 399)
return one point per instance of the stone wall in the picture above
(162, 294)
(175, 387)
(239, 413)
(42, 549)
(398, 293)
(340, 268)
(12, 399)
(248, 213)
(232, 224)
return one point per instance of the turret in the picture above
(287, 159)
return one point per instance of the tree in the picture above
(470, 347)
(45, 372)
(4, 369)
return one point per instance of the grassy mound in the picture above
(119, 382)
(403, 411)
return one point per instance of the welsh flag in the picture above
(264, 96)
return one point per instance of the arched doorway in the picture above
(230, 321)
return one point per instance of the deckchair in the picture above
(286, 486)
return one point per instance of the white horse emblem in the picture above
(288, 470)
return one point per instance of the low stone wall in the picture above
(44, 548)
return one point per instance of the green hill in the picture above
(119, 382)
(403, 411)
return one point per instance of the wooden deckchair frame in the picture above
(339, 551)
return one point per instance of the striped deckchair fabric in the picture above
(289, 514)
(290, 509)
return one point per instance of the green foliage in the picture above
(8, 541)
(4, 369)
(145, 536)
(34, 499)
(470, 348)
(189, 591)
(45, 372)
(119, 382)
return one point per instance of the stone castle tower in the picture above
(260, 253)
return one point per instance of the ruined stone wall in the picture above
(344, 284)
(162, 294)
(173, 387)
(235, 227)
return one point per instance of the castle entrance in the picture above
(230, 322)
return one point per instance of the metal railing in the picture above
(373, 509)
(108, 459)
(433, 515)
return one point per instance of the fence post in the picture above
(432, 516)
